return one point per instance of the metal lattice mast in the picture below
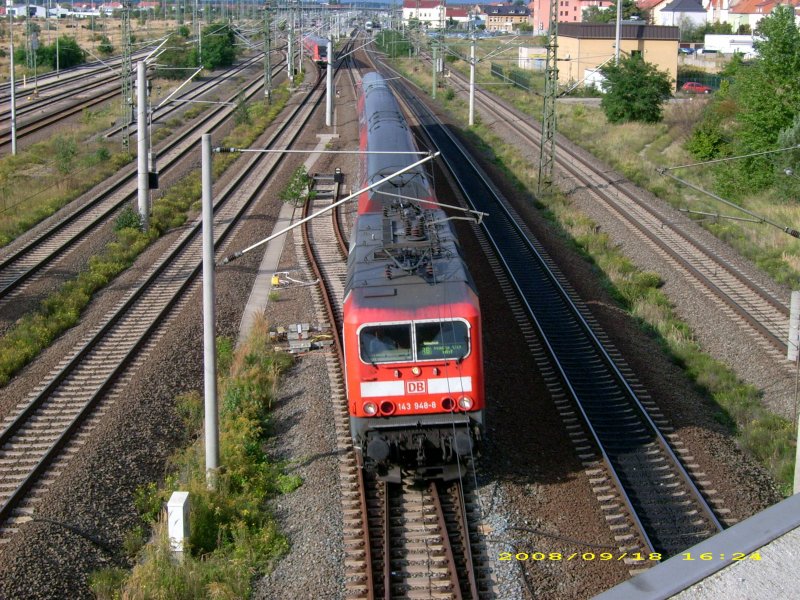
(127, 89)
(547, 152)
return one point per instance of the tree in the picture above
(595, 14)
(69, 53)
(178, 60)
(767, 95)
(635, 91)
(105, 47)
(788, 163)
(218, 46)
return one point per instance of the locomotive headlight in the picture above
(465, 403)
(371, 409)
(416, 371)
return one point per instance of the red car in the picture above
(692, 87)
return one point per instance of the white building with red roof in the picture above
(457, 14)
(653, 9)
(749, 12)
(430, 13)
(108, 8)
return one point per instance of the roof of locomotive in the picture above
(406, 260)
(320, 41)
(388, 131)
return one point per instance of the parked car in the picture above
(692, 87)
(685, 50)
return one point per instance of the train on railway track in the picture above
(412, 320)
(317, 49)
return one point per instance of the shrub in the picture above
(128, 218)
(233, 536)
(706, 141)
(298, 188)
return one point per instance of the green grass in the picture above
(48, 175)
(233, 534)
(765, 436)
(36, 330)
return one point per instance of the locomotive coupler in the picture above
(420, 449)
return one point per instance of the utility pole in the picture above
(35, 48)
(127, 91)
(267, 50)
(617, 35)
(433, 85)
(199, 41)
(28, 50)
(13, 88)
(143, 150)
(299, 38)
(209, 321)
(290, 50)
(472, 79)
(329, 75)
(547, 152)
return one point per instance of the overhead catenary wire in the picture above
(786, 229)
(240, 253)
(759, 219)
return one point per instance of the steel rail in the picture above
(191, 235)
(329, 303)
(11, 276)
(464, 525)
(30, 127)
(66, 77)
(446, 541)
(511, 228)
(570, 165)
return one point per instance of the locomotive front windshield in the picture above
(436, 340)
(386, 343)
(442, 340)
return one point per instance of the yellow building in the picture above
(583, 47)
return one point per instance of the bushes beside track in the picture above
(233, 534)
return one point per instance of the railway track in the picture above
(77, 103)
(205, 86)
(47, 427)
(67, 80)
(59, 98)
(420, 539)
(46, 111)
(406, 541)
(23, 262)
(761, 316)
(651, 502)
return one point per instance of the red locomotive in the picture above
(412, 326)
(317, 49)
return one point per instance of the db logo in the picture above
(415, 387)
